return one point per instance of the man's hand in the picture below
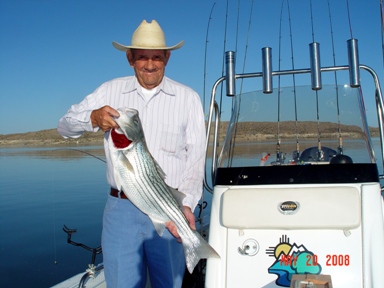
(103, 118)
(191, 220)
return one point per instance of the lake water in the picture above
(42, 189)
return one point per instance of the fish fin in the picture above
(178, 195)
(157, 166)
(161, 172)
(121, 160)
(126, 163)
(196, 249)
(159, 225)
(159, 169)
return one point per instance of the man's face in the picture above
(149, 65)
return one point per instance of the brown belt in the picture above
(115, 193)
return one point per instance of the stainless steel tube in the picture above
(267, 69)
(230, 73)
(353, 60)
(314, 53)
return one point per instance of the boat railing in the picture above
(230, 78)
(92, 268)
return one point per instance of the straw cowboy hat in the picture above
(148, 36)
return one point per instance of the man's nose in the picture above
(150, 64)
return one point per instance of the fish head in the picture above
(130, 124)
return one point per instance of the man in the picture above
(173, 123)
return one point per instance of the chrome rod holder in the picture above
(314, 53)
(353, 60)
(267, 69)
(230, 73)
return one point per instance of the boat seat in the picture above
(337, 207)
(310, 154)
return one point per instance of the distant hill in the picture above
(49, 137)
(258, 130)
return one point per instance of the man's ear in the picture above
(167, 56)
(130, 57)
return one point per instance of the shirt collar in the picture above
(165, 86)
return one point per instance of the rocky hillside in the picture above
(49, 137)
(255, 130)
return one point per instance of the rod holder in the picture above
(230, 73)
(267, 69)
(314, 53)
(353, 60)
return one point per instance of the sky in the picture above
(56, 52)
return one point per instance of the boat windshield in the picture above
(295, 126)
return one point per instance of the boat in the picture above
(93, 276)
(295, 203)
(296, 206)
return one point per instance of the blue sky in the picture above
(55, 52)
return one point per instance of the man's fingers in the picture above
(103, 118)
(173, 230)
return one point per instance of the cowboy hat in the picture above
(148, 36)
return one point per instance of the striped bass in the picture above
(141, 179)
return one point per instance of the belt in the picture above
(115, 193)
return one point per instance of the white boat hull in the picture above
(336, 230)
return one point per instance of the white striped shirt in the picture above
(173, 123)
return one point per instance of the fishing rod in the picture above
(246, 46)
(233, 108)
(340, 147)
(201, 206)
(279, 156)
(223, 59)
(349, 19)
(382, 27)
(316, 86)
(296, 154)
(205, 55)
(238, 99)
(237, 25)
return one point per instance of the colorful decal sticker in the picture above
(291, 259)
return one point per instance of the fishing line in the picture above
(382, 27)
(237, 39)
(237, 24)
(241, 86)
(246, 46)
(200, 217)
(81, 151)
(279, 157)
(223, 59)
(340, 148)
(205, 55)
(296, 155)
(54, 223)
(54, 198)
(230, 152)
(319, 150)
(349, 19)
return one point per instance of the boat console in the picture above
(295, 180)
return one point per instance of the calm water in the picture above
(41, 189)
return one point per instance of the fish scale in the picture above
(139, 176)
(144, 184)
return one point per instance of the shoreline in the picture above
(246, 132)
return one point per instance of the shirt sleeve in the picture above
(77, 120)
(193, 175)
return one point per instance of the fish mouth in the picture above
(119, 139)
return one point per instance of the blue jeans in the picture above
(131, 245)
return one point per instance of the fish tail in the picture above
(197, 249)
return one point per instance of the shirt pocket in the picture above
(171, 140)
